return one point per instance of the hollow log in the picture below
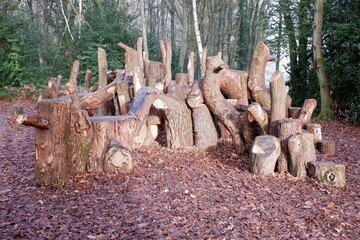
(190, 68)
(301, 152)
(118, 160)
(328, 173)
(278, 92)
(33, 121)
(294, 112)
(240, 79)
(264, 154)
(205, 134)
(326, 147)
(51, 161)
(307, 111)
(285, 129)
(216, 102)
(315, 129)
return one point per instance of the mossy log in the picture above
(327, 173)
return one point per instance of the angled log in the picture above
(190, 68)
(315, 129)
(195, 98)
(259, 115)
(278, 92)
(33, 121)
(222, 109)
(328, 173)
(307, 111)
(285, 129)
(301, 152)
(205, 133)
(241, 79)
(264, 154)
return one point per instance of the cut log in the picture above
(190, 68)
(307, 111)
(328, 173)
(51, 161)
(240, 78)
(195, 98)
(123, 97)
(205, 134)
(204, 61)
(294, 112)
(285, 129)
(278, 92)
(16, 110)
(118, 160)
(264, 154)
(182, 78)
(315, 129)
(222, 109)
(33, 121)
(102, 69)
(165, 49)
(101, 96)
(301, 152)
(154, 73)
(87, 81)
(327, 147)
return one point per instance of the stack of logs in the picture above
(80, 130)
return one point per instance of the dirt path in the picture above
(177, 195)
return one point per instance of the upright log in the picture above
(285, 129)
(326, 147)
(190, 68)
(205, 134)
(154, 73)
(123, 97)
(182, 78)
(165, 49)
(301, 152)
(87, 81)
(278, 92)
(264, 154)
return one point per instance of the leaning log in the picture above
(307, 111)
(33, 121)
(328, 173)
(264, 154)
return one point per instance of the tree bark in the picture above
(190, 68)
(327, 147)
(197, 33)
(264, 154)
(307, 111)
(240, 78)
(88, 76)
(103, 68)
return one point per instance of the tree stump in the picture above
(328, 173)
(205, 134)
(264, 154)
(294, 112)
(286, 128)
(182, 78)
(327, 147)
(301, 152)
(16, 110)
(315, 129)
(118, 160)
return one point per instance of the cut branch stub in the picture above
(33, 121)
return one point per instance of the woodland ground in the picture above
(176, 195)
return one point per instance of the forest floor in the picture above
(176, 195)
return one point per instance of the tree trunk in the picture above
(184, 41)
(301, 152)
(264, 154)
(88, 76)
(144, 28)
(328, 173)
(197, 32)
(319, 62)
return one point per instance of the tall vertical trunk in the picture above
(304, 31)
(243, 36)
(172, 25)
(163, 26)
(197, 32)
(80, 16)
(278, 42)
(143, 27)
(319, 61)
(183, 43)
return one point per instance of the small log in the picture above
(307, 111)
(240, 78)
(327, 147)
(16, 110)
(264, 154)
(154, 73)
(101, 96)
(182, 78)
(118, 160)
(190, 68)
(301, 152)
(87, 81)
(195, 98)
(315, 129)
(205, 134)
(259, 115)
(33, 121)
(328, 173)
(286, 128)
(102, 68)
(294, 112)
(278, 92)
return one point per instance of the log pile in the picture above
(80, 130)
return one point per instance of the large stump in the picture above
(264, 154)
(328, 173)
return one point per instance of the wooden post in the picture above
(87, 81)
(301, 152)
(328, 173)
(190, 68)
(264, 154)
